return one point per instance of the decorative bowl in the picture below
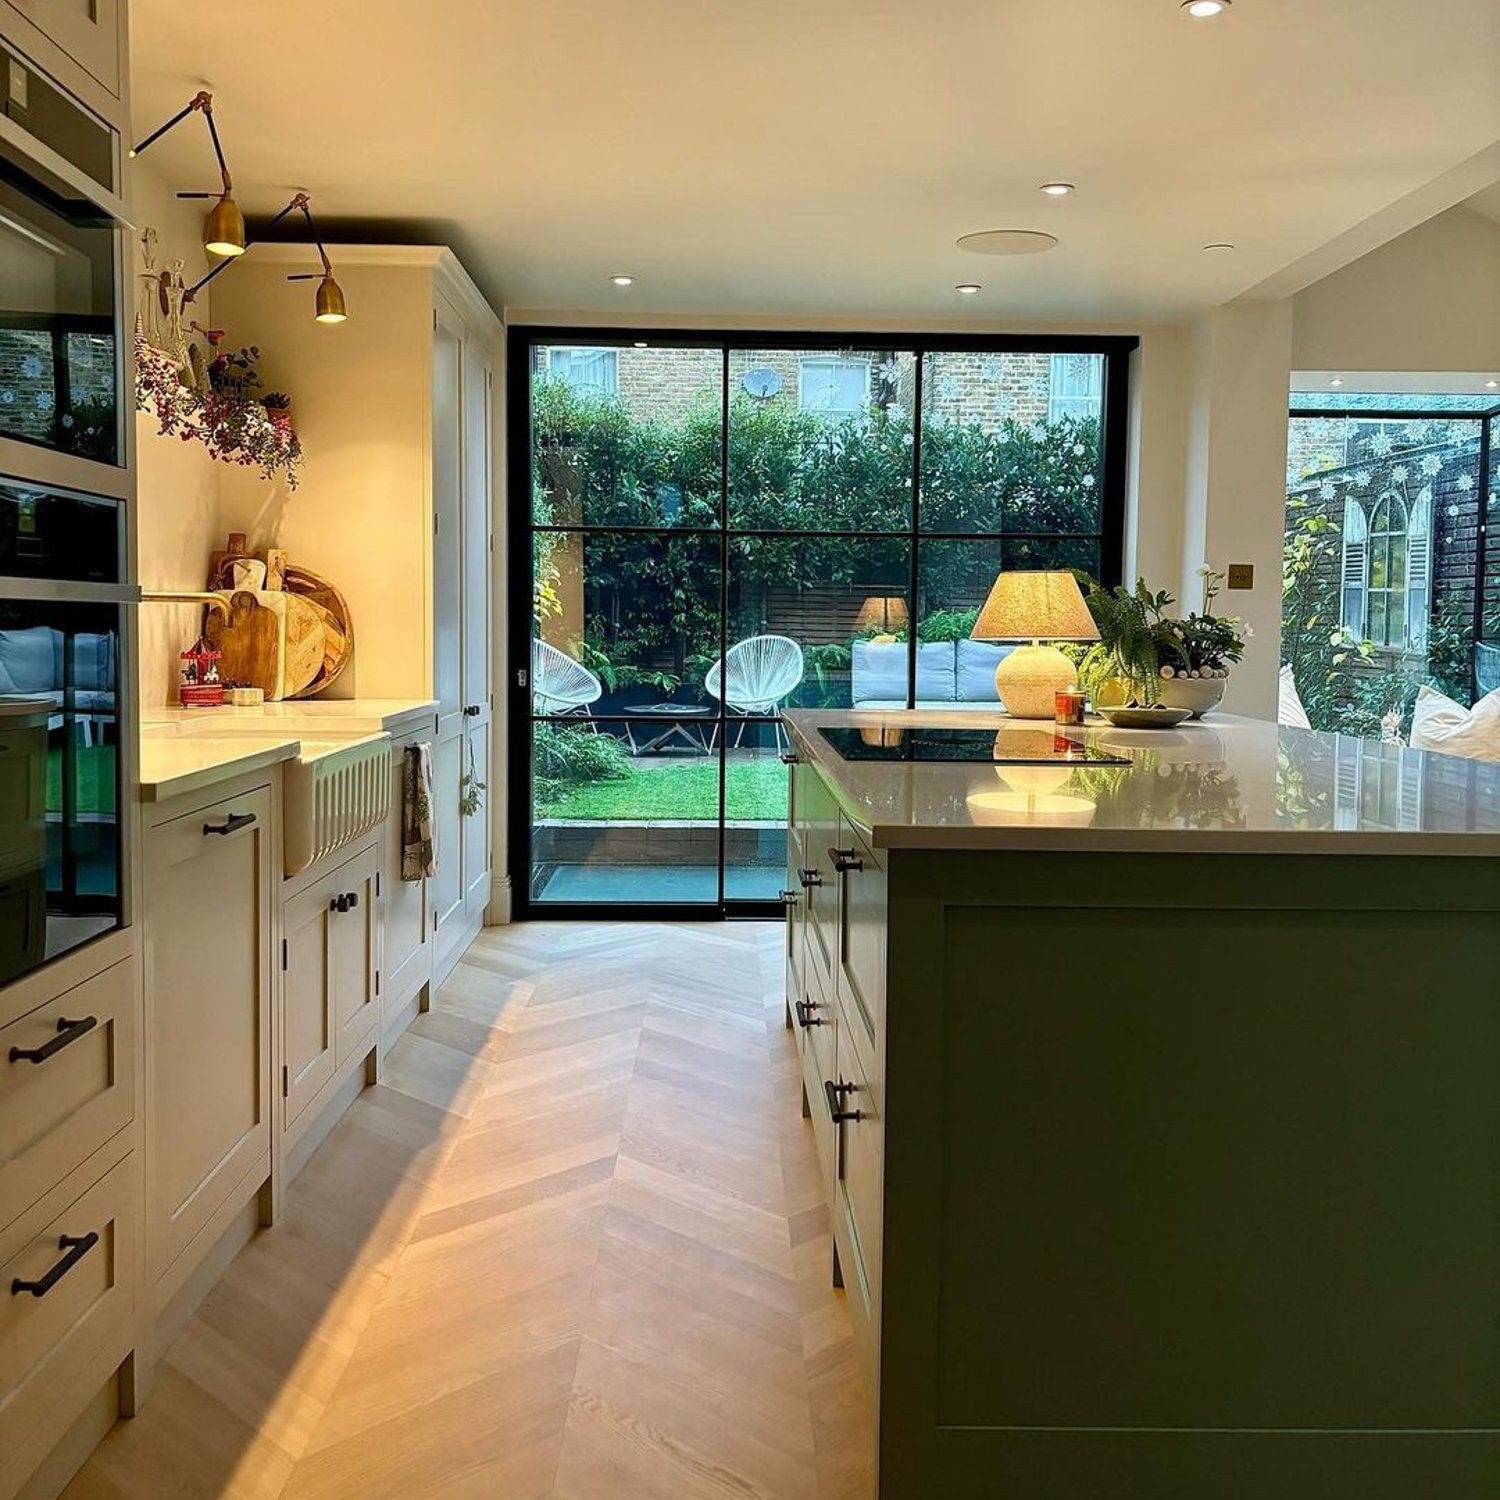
(1145, 718)
(1196, 694)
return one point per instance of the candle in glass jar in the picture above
(1069, 706)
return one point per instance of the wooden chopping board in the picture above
(338, 626)
(249, 643)
(306, 643)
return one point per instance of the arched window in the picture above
(1356, 560)
(1419, 571)
(1385, 609)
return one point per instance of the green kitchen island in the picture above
(1158, 1105)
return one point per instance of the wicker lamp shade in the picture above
(882, 612)
(1035, 607)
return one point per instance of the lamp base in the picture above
(1028, 680)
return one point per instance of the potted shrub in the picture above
(1196, 653)
(278, 407)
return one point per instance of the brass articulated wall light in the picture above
(329, 303)
(224, 228)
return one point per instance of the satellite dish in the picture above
(761, 382)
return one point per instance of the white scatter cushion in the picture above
(1289, 709)
(1438, 723)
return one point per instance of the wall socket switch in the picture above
(1242, 575)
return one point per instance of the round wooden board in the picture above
(305, 641)
(338, 627)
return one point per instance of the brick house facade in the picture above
(973, 388)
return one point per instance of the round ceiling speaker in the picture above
(1007, 242)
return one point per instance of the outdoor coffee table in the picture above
(693, 734)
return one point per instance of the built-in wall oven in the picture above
(62, 635)
(61, 362)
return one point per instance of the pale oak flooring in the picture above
(572, 1245)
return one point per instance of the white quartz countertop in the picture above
(310, 716)
(171, 765)
(1224, 783)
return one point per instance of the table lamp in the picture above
(1034, 607)
(884, 613)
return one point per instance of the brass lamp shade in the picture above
(330, 300)
(882, 613)
(224, 228)
(1035, 607)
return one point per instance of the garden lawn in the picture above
(662, 789)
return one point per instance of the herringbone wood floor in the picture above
(573, 1245)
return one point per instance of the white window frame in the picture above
(1419, 571)
(832, 362)
(1392, 505)
(599, 351)
(1063, 402)
(1354, 572)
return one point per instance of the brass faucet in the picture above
(169, 596)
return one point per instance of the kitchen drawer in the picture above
(57, 1349)
(860, 982)
(820, 827)
(819, 1054)
(58, 1108)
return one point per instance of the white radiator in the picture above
(334, 794)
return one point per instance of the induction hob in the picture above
(1042, 746)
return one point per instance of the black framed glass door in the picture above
(709, 529)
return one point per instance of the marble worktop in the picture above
(1224, 783)
(186, 749)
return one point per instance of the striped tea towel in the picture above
(418, 854)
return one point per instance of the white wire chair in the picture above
(560, 685)
(754, 677)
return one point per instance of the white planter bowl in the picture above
(1196, 694)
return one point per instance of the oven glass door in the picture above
(59, 364)
(60, 795)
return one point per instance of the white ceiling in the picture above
(805, 157)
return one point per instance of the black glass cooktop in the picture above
(1041, 746)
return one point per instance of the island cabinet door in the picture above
(817, 1021)
(308, 1038)
(354, 938)
(860, 983)
(859, 1193)
(208, 1018)
(820, 827)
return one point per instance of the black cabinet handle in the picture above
(68, 1032)
(834, 1094)
(791, 898)
(471, 710)
(809, 878)
(77, 1247)
(232, 824)
(353, 899)
(845, 860)
(805, 1017)
(791, 758)
(339, 903)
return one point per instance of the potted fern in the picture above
(1124, 668)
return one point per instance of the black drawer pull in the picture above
(845, 860)
(339, 903)
(791, 758)
(353, 899)
(805, 1017)
(68, 1032)
(809, 878)
(471, 710)
(232, 824)
(834, 1094)
(77, 1247)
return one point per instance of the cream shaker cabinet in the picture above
(208, 894)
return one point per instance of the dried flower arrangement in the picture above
(228, 418)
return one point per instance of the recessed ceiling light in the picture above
(1335, 381)
(968, 288)
(1007, 242)
(621, 279)
(1219, 245)
(1201, 10)
(1057, 189)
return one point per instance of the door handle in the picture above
(805, 1017)
(834, 1094)
(845, 860)
(77, 1247)
(232, 824)
(68, 1032)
